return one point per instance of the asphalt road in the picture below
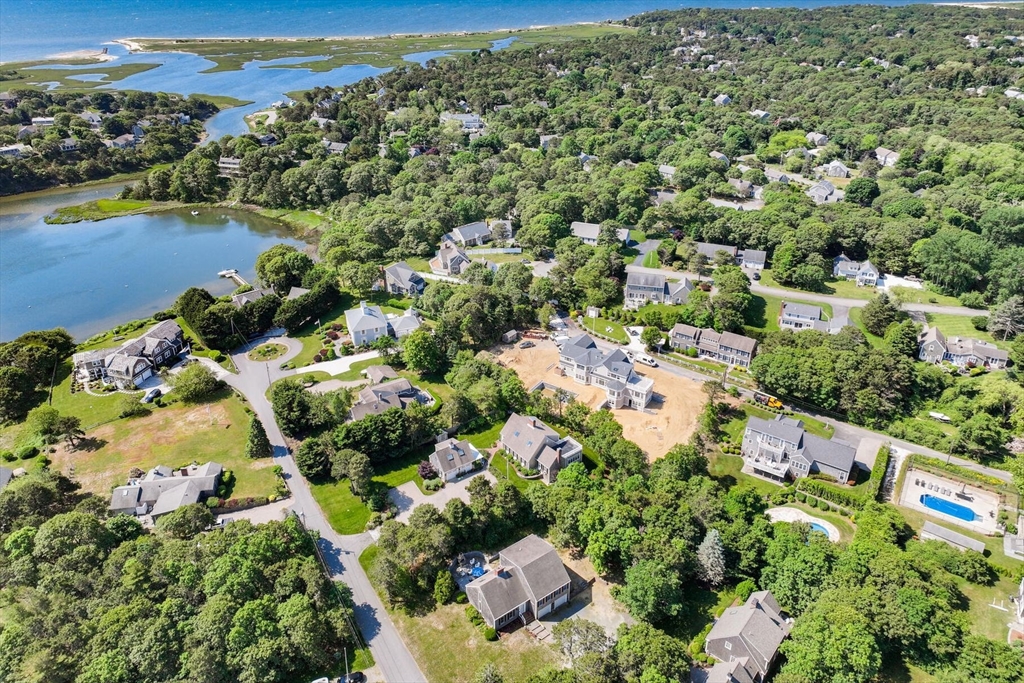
(341, 553)
(814, 297)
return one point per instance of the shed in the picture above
(933, 532)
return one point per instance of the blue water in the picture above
(34, 29)
(88, 276)
(817, 527)
(948, 507)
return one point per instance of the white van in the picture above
(646, 360)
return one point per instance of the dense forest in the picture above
(71, 137)
(89, 598)
(904, 78)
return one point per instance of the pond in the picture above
(91, 276)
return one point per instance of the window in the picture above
(728, 645)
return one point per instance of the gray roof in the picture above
(405, 323)
(814, 312)
(526, 435)
(645, 280)
(364, 317)
(941, 533)
(790, 431)
(471, 231)
(831, 452)
(710, 250)
(375, 407)
(754, 256)
(125, 498)
(185, 493)
(451, 454)
(496, 594)
(404, 275)
(582, 349)
(379, 373)
(296, 292)
(737, 341)
(681, 330)
(757, 626)
(735, 671)
(398, 387)
(590, 231)
(244, 298)
(542, 569)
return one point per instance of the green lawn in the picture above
(355, 371)
(844, 524)
(344, 511)
(608, 328)
(434, 384)
(960, 326)
(420, 265)
(651, 259)
(174, 435)
(449, 648)
(857, 318)
(763, 313)
(993, 544)
(301, 219)
(727, 470)
(735, 426)
(985, 620)
(502, 469)
(848, 289)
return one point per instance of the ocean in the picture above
(35, 29)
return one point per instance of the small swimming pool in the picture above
(817, 527)
(948, 507)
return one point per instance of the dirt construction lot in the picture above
(656, 429)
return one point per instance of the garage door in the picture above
(544, 610)
(562, 600)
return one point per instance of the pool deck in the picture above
(984, 504)
(785, 514)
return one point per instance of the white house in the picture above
(722, 100)
(582, 360)
(886, 157)
(589, 232)
(864, 272)
(366, 324)
(452, 459)
(808, 317)
(816, 139)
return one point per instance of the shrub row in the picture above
(874, 487)
(825, 491)
(924, 462)
(478, 621)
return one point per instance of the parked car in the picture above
(527, 345)
(632, 332)
(354, 677)
(151, 394)
(757, 275)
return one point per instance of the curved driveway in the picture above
(341, 553)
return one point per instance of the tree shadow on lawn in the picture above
(698, 611)
(756, 313)
(89, 444)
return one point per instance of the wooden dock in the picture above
(232, 274)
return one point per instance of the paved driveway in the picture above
(271, 512)
(336, 367)
(408, 496)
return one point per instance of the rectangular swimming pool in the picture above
(948, 507)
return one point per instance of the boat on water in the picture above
(195, 213)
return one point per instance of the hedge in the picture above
(830, 493)
(925, 462)
(874, 486)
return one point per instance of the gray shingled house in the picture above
(746, 640)
(400, 278)
(643, 288)
(536, 446)
(163, 490)
(780, 449)
(529, 582)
